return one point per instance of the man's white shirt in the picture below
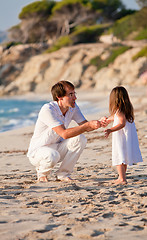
(50, 116)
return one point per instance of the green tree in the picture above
(131, 23)
(42, 8)
(71, 13)
(47, 20)
(110, 8)
(34, 26)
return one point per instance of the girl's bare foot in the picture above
(66, 179)
(119, 181)
(43, 179)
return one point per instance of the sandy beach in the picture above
(89, 207)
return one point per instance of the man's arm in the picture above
(84, 126)
(82, 122)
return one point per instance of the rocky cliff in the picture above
(25, 68)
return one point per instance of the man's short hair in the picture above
(59, 89)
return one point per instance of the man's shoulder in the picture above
(50, 107)
(45, 106)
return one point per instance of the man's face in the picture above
(70, 98)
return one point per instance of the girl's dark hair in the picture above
(59, 89)
(119, 100)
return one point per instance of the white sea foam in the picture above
(33, 114)
(12, 122)
(13, 110)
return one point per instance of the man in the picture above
(53, 141)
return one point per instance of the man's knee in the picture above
(52, 158)
(47, 157)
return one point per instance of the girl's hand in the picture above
(107, 132)
(104, 121)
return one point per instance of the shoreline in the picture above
(87, 208)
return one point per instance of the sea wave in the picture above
(15, 113)
(13, 110)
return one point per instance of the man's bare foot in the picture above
(43, 179)
(119, 181)
(66, 179)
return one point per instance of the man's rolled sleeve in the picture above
(78, 116)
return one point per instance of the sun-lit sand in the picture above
(89, 207)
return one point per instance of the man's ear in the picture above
(59, 98)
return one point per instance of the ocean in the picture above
(17, 113)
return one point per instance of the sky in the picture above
(10, 9)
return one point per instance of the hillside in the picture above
(22, 73)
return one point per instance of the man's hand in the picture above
(92, 125)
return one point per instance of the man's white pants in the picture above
(67, 152)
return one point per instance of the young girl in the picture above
(125, 146)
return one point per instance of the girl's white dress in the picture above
(125, 145)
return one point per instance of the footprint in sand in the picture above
(108, 215)
(47, 228)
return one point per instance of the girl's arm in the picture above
(110, 119)
(122, 123)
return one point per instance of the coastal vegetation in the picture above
(82, 21)
(114, 53)
(64, 41)
(124, 27)
(141, 53)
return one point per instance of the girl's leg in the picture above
(125, 167)
(121, 169)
